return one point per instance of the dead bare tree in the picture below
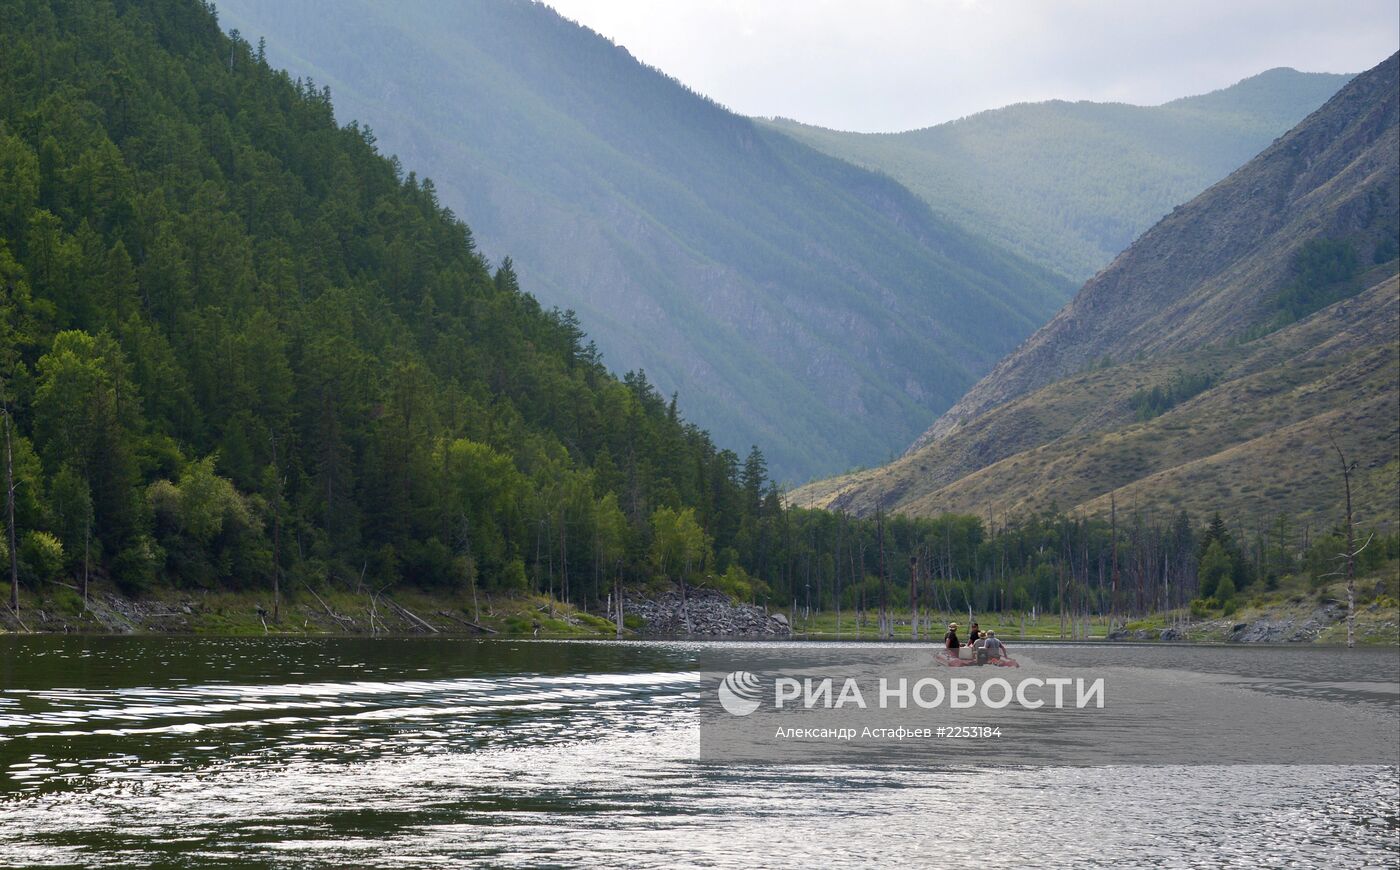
(617, 592)
(836, 580)
(10, 514)
(276, 536)
(914, 598)
(884, 576)
(1352, 551)
(1113, 571)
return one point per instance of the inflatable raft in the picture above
(967, 656)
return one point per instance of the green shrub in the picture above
(513, 575)
(135, 568)
(1203, 607)
(1225, 590)
(734, 582)
(1216, 566)
(42, 555)
(597, 623)
(65, 600)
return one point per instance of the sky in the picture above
(889, 65)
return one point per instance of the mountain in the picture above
(794, 300)
(238, 345)
(1070, 185)
(1210, 365)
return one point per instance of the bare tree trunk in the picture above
(87, 559)
(276, 563)
(914, 598)
(617, 593)
(1347, 469)
(861, 614)
(10, 513)
(1061, 577)
(840, 528)
(276, 538)
(685, 603)
(563, 557)
(1113, 572)
(884, 590)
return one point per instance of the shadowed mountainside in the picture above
(795, 300)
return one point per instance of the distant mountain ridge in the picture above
(1210, 269)
(1071, 184)
(795, 300)
(1211, 364)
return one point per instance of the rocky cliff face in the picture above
(1207, 271)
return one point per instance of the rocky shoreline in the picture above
(107, 612)
(1323, 623)
(704, 613)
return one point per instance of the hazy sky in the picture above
(901, 64)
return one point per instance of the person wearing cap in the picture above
(993, 647)
(950, 640)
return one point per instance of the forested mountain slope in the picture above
(795, 300)
(1070, 185)
(237, 344)
(1212, 363)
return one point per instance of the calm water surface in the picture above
(425, 752)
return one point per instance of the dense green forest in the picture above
(243, 350)
(1133, 563)
(795, 301)
(240, 346)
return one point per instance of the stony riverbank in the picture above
(405, 611)
(59, 609)
(704, 613)
(1290, 622)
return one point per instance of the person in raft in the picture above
(992, 647)
(950, 640)
(972, 634)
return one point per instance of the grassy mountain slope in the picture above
(1217, 268)
(1072, 184)
(795, 300)
(1254, 443)
(1242, 311)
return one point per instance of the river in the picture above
(192, 751)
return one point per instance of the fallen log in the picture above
(412, 616)
(15, 614)
(342, 620)
(467, 622)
